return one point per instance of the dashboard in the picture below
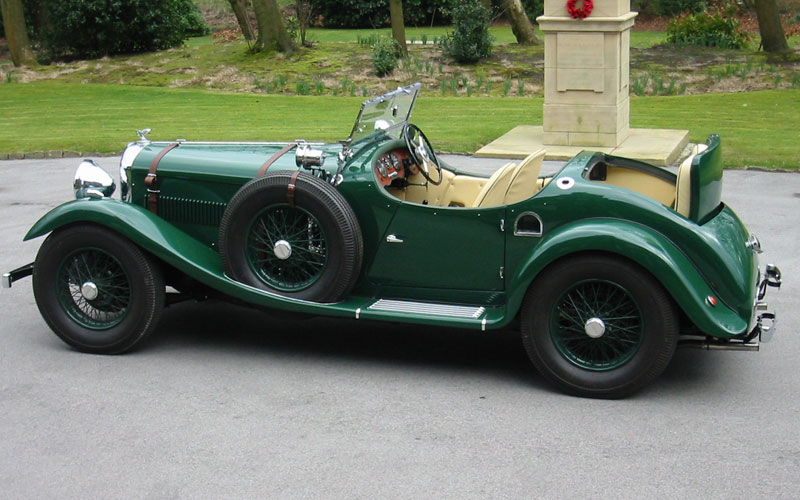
(394, 164)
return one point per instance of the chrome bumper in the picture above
(763, 327)
(766, 320)
(17, 274)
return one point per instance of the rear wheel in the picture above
(599, 326)
(96, 290)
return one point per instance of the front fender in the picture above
(649, 249)
(174, 247)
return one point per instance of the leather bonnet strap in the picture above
(272, 159)
(290, 189)
(151, 181)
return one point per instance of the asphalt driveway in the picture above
(226, 402)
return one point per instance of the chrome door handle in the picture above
(393, 239)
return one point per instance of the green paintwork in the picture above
(466, 256)
(188, 255)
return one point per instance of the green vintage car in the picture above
(605, 267)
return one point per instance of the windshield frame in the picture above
(369, 115)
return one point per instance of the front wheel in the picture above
(598, 326)
(96, 290)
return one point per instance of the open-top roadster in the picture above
(604, 266)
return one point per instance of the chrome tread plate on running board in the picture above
(405, 306)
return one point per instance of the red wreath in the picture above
(581, 13)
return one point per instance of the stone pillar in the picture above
(586, 74)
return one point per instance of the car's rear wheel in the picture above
(302, 241)
(599, 326)
(96, 290)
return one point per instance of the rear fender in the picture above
(650, 250)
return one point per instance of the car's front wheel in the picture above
(96, 290)
(599, 326)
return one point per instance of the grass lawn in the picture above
(758, 128)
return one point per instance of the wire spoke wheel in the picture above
(93, 288)
(96, 289)
(287, 247)
(597, 325)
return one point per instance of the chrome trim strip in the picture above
(233, 143)
(404, 306)
(358, 312)
(483, 325)
(6, 280)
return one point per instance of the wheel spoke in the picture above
(92, 265)
(305, 238)
(621, 320)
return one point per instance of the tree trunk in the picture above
(398, 26)
(773, 39)
(240, 10)
(17, 33)
(272, 33)
(520, 24)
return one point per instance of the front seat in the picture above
(523, 181)
(494, 192)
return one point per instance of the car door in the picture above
(441, 248)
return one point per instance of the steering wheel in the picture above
(422, 152)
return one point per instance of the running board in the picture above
(404, 306)
(404, 310)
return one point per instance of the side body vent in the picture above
(188, 211)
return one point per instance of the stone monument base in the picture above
(656, 146)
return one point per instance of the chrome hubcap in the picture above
(89, 290)
(595, 328)
(283, 250)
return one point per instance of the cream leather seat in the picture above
(524, 178)
(683, 186)
(494, 191)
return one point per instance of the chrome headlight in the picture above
(91, 181)
(128, 156)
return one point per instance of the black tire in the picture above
(96, 289)
(628, 347)
(318, 229)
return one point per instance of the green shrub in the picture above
(384, 56)
(533, 8)
(677, 7)
(375, 13)
(470, 41)
(95, 28)
(710, 30)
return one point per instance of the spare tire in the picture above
(292, 234)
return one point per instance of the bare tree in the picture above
(271, 30)
(520, 24)
(305, 10)
(240, 10)
(398, 26)
(17, 33)
(773, 39)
